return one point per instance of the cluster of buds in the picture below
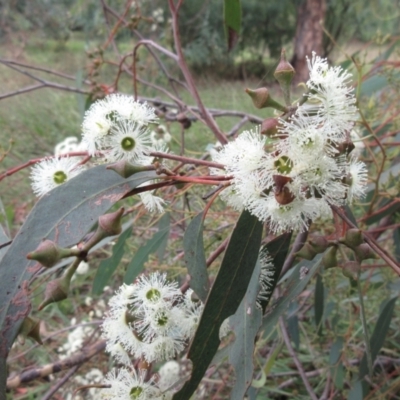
(352, 240)
(48, 254)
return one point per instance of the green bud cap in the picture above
(318, 243)
(351, 269)
(284, 72)
(125, 169)
(111, 223)
(49, 254)
(364, 252)
(269, 127)
(262, 99)
(306, 252)
(352, 238)
(31, 328)
(56, 290)
(329, 259)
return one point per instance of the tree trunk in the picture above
(309, 35)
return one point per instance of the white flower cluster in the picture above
(118, 127)
(306, 171)
(53, 172)
(150, 319)
(129, 385)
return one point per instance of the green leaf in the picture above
(396, 241)
(164, 225)
(195, 258)
(277, 250)
(373, 84)
(64, 215)
(297, 283)
(232, 21)
(293, 324)
(3, 239)
(336, 351)
(224, 298)
(245, 324)
(107, 267)
(356, 392)
(338, 375)
(136, 265)
(378, 335)
(319, 303)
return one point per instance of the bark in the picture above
(309, 35)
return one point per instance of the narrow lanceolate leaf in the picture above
(378, 335)
(3, 239)
(319, 303)
(277, 250)
(224, 298)
(195, 258)
(245, 324)
(232, 21)
(108, 266)
(64, 215)
(299, 279)
(136, 265)
(164, 225)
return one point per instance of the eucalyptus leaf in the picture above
(195, 258)
(108, 266)
(136, 265)
(3, 239)
(64, 215)
(299, 279)
(245, 324)
(164, 225)
(277, 249)
(224, 298)
(232, 21)
(378, 335)
(319, 303)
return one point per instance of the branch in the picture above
(77, 359)
(49, 394)
(188, 77)
(296, 360)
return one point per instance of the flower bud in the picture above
(262, 99)
(351, 269)
(126, 169)
(306, 252)
(283, 195)
(269, 127)
(49, 253)
(352, 238)
(56, 290)
(329, 259)
(364, 252)
(184, 120)
(284, 74)
(318, 243)
(344, 147)
(109, 225)
(31, 328)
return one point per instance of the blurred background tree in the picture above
(266, 28)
